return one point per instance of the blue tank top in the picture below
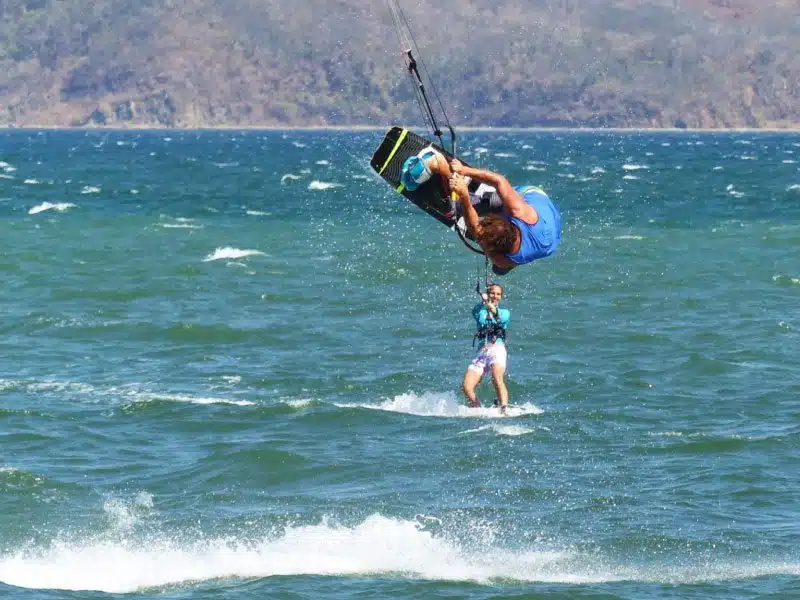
(540, 240)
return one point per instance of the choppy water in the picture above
(231, 364)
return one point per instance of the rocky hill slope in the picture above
(241, 63)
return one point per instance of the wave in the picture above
(507, 430)
(58, 207)
(323, 185)
(130, 393)
(137, 397)
(120, 561)
(445, 405)
(289, 177)
(179, 226)
(228, 252)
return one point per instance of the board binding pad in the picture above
(398, 145)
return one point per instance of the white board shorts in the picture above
(489, 355)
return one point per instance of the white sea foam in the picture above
(323, 163)
(258, 213)
(120, 561)
(507, 430)
(228, 252)
(58, 207)
(323, 185)
(180, 226)
(632, 167)
(139, 396)
(732, 191)
(131, 393)
(124, 513)
(59, 387)
(289, 177)
(90, 189)
(128, 393)
(44, 386)
(631, 177)
(445, 404)
(300, 402)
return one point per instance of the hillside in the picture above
(240, 63)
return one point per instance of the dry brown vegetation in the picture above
(205, 63)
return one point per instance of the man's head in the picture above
(495, 293)
(497, 234)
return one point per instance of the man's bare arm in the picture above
(512, 201)
(459, 186)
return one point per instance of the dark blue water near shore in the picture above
(232, 360)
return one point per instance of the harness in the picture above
(493, 330)
(490, 332)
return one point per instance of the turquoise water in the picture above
(232, 359)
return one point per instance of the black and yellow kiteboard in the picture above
(433, 197)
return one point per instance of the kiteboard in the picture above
(433, 196)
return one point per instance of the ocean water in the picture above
(232, 359)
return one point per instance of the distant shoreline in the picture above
(358, 128)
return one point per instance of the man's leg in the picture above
(437, 164)
(471, 380)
